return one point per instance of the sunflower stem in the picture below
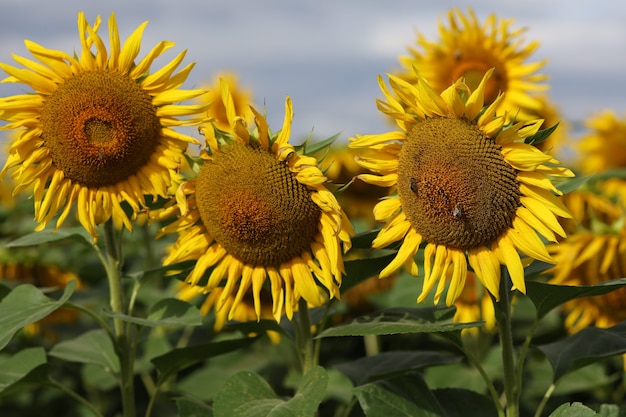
(124, 350)
(503, 317)
(305, 337)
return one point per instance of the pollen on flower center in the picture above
(100, 127)
(454, 184)
(254, 207)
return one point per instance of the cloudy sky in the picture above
(327, 54)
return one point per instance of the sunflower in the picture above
(474, 304)
(467, 184)
(23, 271)
(98, 129)
(243, 312)
(468, 48)
(242, 100)
(259, 210)
(603, 149)
(594, 253)
(356, 197)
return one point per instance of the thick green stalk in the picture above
(304, 338)
(503, 317)
(122, 341)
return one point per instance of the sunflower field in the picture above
(450, 266)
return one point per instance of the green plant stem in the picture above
(471, 357)
(101, 322)
(522, 355)
(122, 340)
(545, 399)
(503, 317)
(75, 396)
(304, 338)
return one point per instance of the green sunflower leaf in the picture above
(541, 135)
(546, 297)
(401, 321)
(406, 395)
(364, 240)
(24, 305)
(247, 394)
(94, 347)
(22, 370)
(48, 236)
(166, 312)
(188, 407)
(310, 148)
(181, 358)
(574, 410)
(358, 270)
(370, 368)
(590, 345)
(571, 184)
(458, 402)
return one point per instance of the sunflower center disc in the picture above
(254, 207)
(455, 187)
(100, 127)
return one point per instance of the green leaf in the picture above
(400, 321)
(310, 148)
(24, 305)
(188, 407)
(572, 184)
(404, 396)
(573, 410)
(546, 297)
(165, 312)
(465, 403)
(178, 359)
(358, 270)
(364, 240)
(247, 394)
(370, 368)
(78, 234)
(95, 377)
(589, 345)
(541, 135)
(26, 367)
(94, 347)
(609, 410)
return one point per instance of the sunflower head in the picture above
(97, 128)
(604, 146)
(357, 198)
(468, 48)
(242, 100)
(23, 268)
(257, 215)
(593, 253)
(469, 185)
(243, 311)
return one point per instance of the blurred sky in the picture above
(327, 54)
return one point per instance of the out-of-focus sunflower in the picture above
(98, 129)
(242, 100)
(358, 198)
(243, 312)
(258, 210)
(468, 48)
(467, 185)
(594, 253)
(474, 304)
(603, 149)
(42, 276)
(558, 141)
